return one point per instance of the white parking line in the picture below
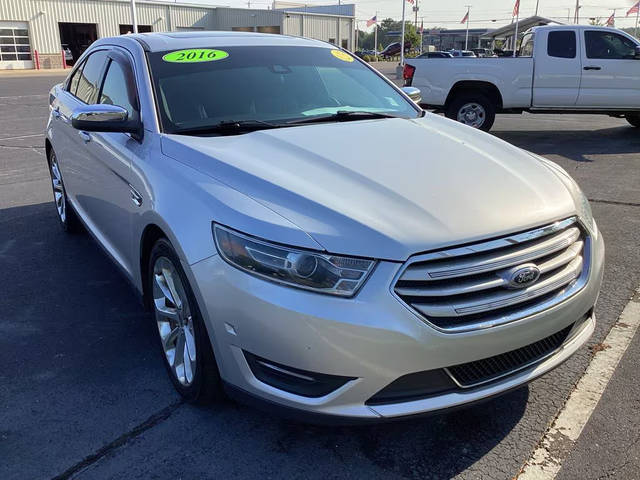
(554, 448)
(25, 96)
(23, 136)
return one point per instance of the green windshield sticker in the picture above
(193, 55)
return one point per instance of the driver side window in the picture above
(117, 88)
(608, 45)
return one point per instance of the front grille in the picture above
(471, 287)
(482, 371)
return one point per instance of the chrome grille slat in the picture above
(470, 287)
(490, 262)
(475, 284)
(503, 297)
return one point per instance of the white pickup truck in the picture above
(558, 69)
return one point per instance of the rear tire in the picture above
(472, 109)
(66, 214)
(633, 119)
(186, 349)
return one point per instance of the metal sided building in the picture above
(52, 33)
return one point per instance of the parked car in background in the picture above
(483, 52)
(435, 55)
(462, 53)
(295, 264)
(393, 49)
(558, 69)
(68, 55)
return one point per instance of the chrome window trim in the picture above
(508, 240)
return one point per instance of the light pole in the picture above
(134, 16)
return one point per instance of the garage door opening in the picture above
(76, 38)
(124, 29)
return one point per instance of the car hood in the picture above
(384, 188)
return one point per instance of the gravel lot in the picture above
(84, 393)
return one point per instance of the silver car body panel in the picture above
(324, 187)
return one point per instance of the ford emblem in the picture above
(523, 276)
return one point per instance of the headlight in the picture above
(319, 272)
(583, 209)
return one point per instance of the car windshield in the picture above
(267, 84)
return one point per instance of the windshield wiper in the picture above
(231, 127)
(342, 116)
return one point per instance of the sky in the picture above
(448, 13)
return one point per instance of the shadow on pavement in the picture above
(81, 368)
(607, 141)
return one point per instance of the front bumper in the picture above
(372, 338)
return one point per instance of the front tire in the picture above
(474, 110)
(633, 119)
(186, 349)
(66, 215)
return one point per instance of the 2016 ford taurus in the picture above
(307, 237)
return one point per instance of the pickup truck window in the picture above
(526, 45)
(562, 44)
(608, 45)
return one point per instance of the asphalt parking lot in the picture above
(84, 393)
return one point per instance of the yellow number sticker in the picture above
(195, 55)
(344, 56)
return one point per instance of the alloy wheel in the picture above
(58, 190)
(174, 320)
(472, 114)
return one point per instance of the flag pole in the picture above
(466, 38)
(515, 38)
(637, 14)
(402, 38)
(375, 37)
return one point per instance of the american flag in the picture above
(634, 9)
(516, 8)
(372, 21)
(411, 1)
(612, 20)
(465, 18)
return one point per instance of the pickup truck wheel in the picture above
(633, 119)
(476, 111)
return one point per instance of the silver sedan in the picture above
(307, 238)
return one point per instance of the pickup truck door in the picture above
(610, 72)
(556, 80)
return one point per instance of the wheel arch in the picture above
(48, 148)
(488, 89)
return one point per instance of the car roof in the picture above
(162, 41)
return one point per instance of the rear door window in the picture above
(89, 81)
(75, 77)
(562, 44)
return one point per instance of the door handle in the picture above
(592, 67)
(86, 138)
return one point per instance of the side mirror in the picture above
(413, 93)
(104, 118)
(637, 52)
